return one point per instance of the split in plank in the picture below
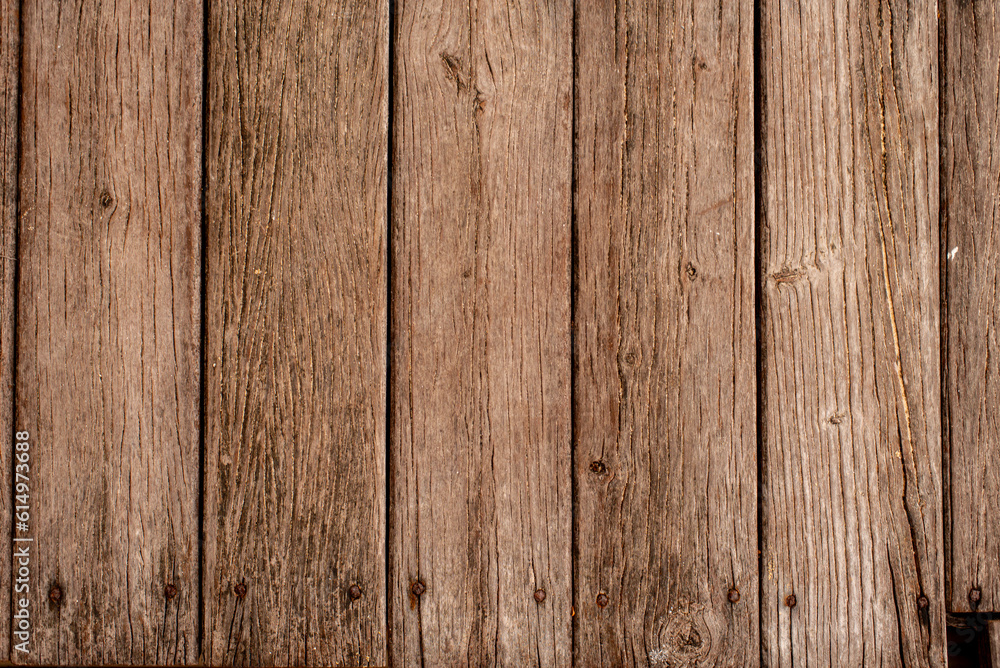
(851, 462)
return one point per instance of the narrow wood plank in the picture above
(9, 88)
(851, 490)
(971, 191)
(995, 643)
(665, 409)
(296, 327)
(108, 338)
(480, 424)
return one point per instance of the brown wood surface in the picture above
(851, 461)
(108, 327)
(481, 487)
(971, 202)
(296, 333)
(665, 404)
(9, 89)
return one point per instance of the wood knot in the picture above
(598, 467)
(453, 70)
(106, 199)
(788, 275)
(691, 271)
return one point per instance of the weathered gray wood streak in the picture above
(296, 332)
(851, 500)
(108, 338)
(665, 406)
(971, 190)
(480, 434)
(9, 88)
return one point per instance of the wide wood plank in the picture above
(971, 192)
(108, 328)
(665, 403)
(480, 489)
(294, 499)
(851, 461)
(9, 89)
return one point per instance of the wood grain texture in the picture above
(296, 329)
(665, 404)
(851, 488)
(10, 90)
(971, 192)
(480, 372)
(108, 338)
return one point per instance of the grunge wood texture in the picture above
(564, 333)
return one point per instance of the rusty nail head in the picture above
(55, 594)
(170, 591)
(791, 601)
(539, 595)
(734, 595)
(602, 600)
(418, 588)
(354, 592)
(240, 590)
(922, 602)
(975, 596)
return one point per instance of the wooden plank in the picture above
(480, 372)
(851, 489)
(995, 643)
(665, 403)
(10, 87)
(295, 333)
(971, 192)
(108, 338)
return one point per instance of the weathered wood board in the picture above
(108, 328)
(480, 487)
(296, 282)
(971, 202)
(9, 88)
(851, 462)
(665, 402)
